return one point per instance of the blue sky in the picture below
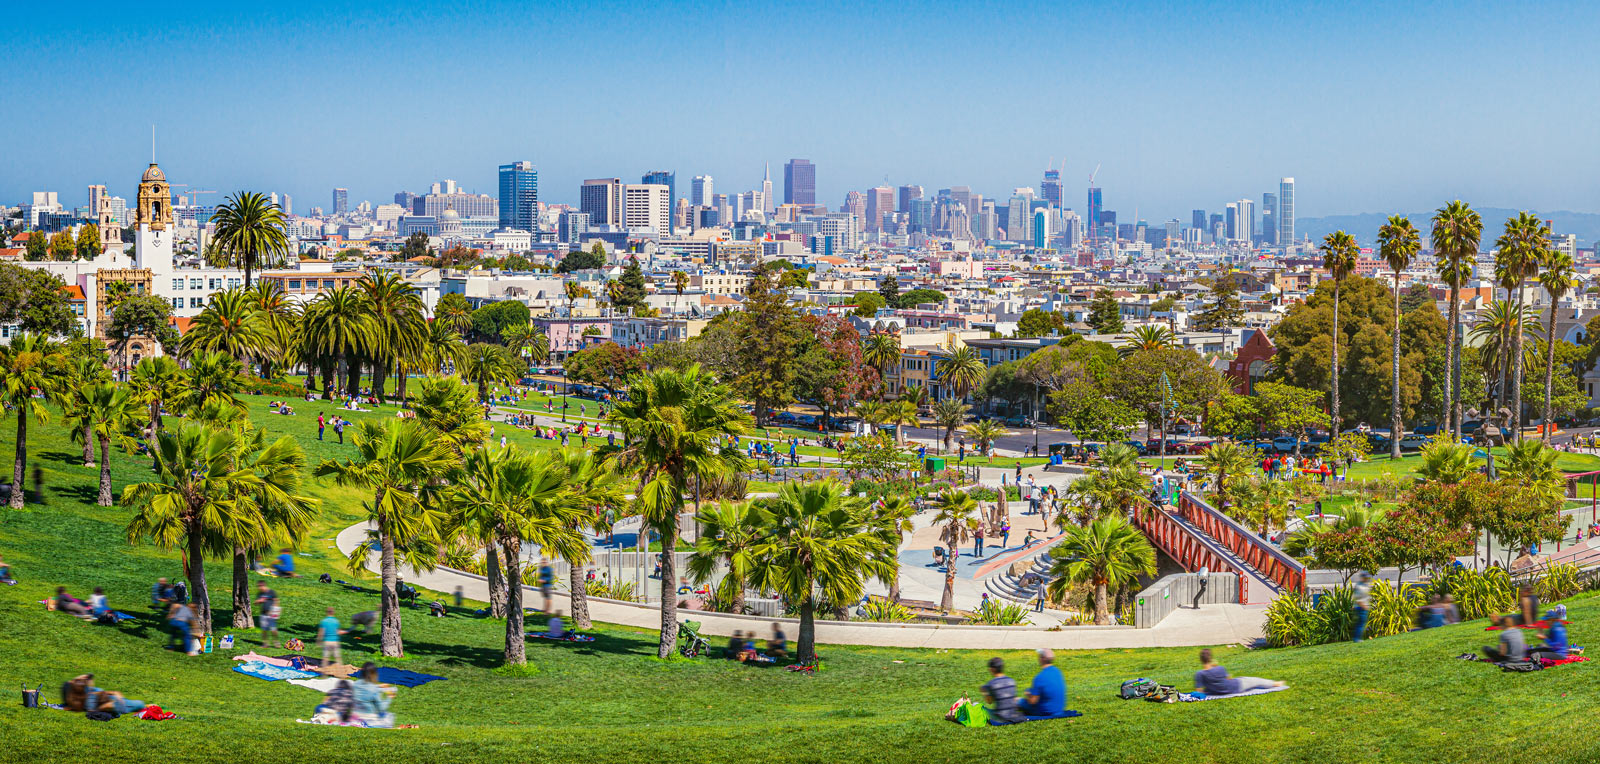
(1371, 107)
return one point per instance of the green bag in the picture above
(973, 715)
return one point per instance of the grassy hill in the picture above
(1396, 699)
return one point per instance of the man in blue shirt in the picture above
(1047, 696)
(285, 565)
(1555, 636)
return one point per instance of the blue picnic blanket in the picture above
(1191, 697)
(1068, 714)
(399, 677)
(272, 673)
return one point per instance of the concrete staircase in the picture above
(1008, 587)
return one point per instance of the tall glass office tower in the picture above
(519, 197)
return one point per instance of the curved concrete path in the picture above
(1210, 625)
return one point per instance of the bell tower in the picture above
(152, 223)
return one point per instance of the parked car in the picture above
(1429, 430)
(786, 417)
(1411, 442)
(1196, 446)
(1285, 444)
(1018, 421)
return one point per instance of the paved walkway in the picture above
(1210, 625)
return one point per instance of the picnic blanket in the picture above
(322, 684)
(272, 673)
(1534, 625)
(1548, 662)
(1195, 697)
(570, 636)
(1068, 714)
(253, 657)
(401, 677)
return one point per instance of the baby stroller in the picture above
(690, 643)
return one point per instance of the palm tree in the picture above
(680, 281)
(1398, 242)
(882, 351)
(962, 369)
(399, 327)
(1522, 247)
(902, 414)
(1115, 486)
(1148, 337)
(1557, 281)
(447, 408)
(454, 313)
(1531, 466)
(198, 500)
(1223, 462)
(399, 463)
(156, 382)
(84, 372)
(949, 414)
(1108, 552)
(820, 545)
(281, 317)
(573, 290)
(339, 326)
(984, 433)
(30, 366)
(893, 516)
(483, 364)
(956, 517)
(538, 346)
(1339, 253)
(870, 412)
(284, 514)
(1446, 462)
(228, 324)
(1457, 232)
(593, 486)
(673, 425)
(510, 498)
(729, 531)
(442, 347)
(105, 414)
(1492, 332)
(250, 231)
(211, 380)
(914, 392)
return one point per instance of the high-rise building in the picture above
(1174, 235)
(1041, 229)
(880, 202)
(571, 227)
(1198, 220)
(96, 193)
(767, 202)
(405, 199)
(341, 201)
(1286, 212)
(646, 205)
(907, 194)
(800, 182)
(1247, 217)
(601, 200)
(855, 203)
(1269, 219)
(288, 204)
(1230, 221)
(670, 180)
(1019, 217)
(519, 197)
(988, 222)
(919, 216)
(700, 191)
(1050, 189)
(1095, 205)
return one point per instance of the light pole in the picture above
(1036, 418)
(566, 345)
(1166, 393)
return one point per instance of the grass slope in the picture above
(1396, 699)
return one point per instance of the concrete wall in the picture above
(1166, 594)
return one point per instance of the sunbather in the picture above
(80, 694)
(335, 707)
(1512, 646)
(67, 603)
(5, 573)
(1212, 679)
(554, 627)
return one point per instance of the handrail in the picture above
(1277, 567)
(1189, 548)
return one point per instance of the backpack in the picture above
(1134, 689)
(30, 698)
(1163, 693)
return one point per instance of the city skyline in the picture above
(1394, 151)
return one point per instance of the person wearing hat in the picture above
(1554, 645)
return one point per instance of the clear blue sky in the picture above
(1370, 106)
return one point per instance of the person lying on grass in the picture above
(1212, 679)
(80, 694)
(71, 605)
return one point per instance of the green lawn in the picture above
(1395, 699)
(1406, 466)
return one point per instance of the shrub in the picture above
(1394, 611)
(1336, 610)
(884, 611)
(995, 613)
(1478, 594)
(272, 387)
(1291, 622)
(1560, 581)
(617, 591)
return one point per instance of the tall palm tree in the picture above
(673, 425)
(729, 531)
(680, 281)
(949, 414)
(984, 433)
(1224, 462)
(483, 364)
(962, 369)
(1557, 281)
(284, 513)
(572, 290)
(339, 327)
(156, 382)
(447, 408)
(30, 366)
(1115, 486)
(454, 313)
(1457, 232)
(442, 347)
(250, 231)
(1148, 337)
(399, 462)
(511, 498)
(228, 324)
(84, 372)
(902, 414)
(1106, 553)
(893, 515)
(882, 351)
(870, 412)
(281, 318)
(538, 346)
(594, 487)
(819, 545)
(1398, 243)
(399, 327)
(1339, 253)
(106, 412)
(198, 500)
(956, 517)
(1492, 332)
(1523, 247)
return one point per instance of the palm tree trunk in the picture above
(105, 473)
(1549, 370)
(669, 589)
(327, 379)
(807, 653)
(88, 445)
(400, 382)
(380, 377)
(1452, 418)
(1395, 425)
(947, 600)
(580, 599)
(497, 586)
(198, 594)
(390, 599)
(1516, 379)
(516, 642)
(1101, 617)
(19, 466)
(241, 589)
(1334, 420)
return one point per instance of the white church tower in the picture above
(152, 225)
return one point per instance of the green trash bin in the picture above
(934, 464)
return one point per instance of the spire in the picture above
(766, 171)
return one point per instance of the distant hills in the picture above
(1365, 225)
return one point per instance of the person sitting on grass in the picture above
(554, 628)
(370, 700)
(5, 574)
(736, 646)
(1212, 679)
(777, 644)
(285, 564)
(1554, 644)
(336, 705)
(1513, 647)
(1001, 693)
(97, 603)
(1047, 696)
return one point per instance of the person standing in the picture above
(1363, 597)
(328, 632)
(322, 425)
(179, 617)
(547, 578)
(338, 429)
(267, 605)
(1005, 534)
(1204, 577)
(977, 540)
(1038, 592)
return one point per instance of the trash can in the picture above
(934, 464)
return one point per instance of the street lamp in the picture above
(566, 345)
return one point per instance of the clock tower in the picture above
(152, 223)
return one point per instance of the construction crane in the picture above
(1092, 174)
(194, 196)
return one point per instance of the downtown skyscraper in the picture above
(1286, 212)
(519, 197)
(800, 182)
(664, 178)
(1050, 188)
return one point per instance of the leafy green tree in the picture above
(250, 232)
(1398, 242)
(608, 365)
(35, 299)
(831, 371)
(1107, 553)
(1416, 296)
(1105, 313)
(1037, 322)
(583, 261)
(399, 464)
(1290, 409)
(769, 337)
(1339, 254)
(820, 545)
(30, 365)
(1090, 415)
(920, 296)
(1224, 308)
(62, 247)
(868, 304)
(889, 290)
(632, 295)
(88, 244)
(1192, 385)
(416, 246)
(491, 321)
(37, 247)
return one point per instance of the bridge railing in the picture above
(1190, 549)
(1273, 565)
